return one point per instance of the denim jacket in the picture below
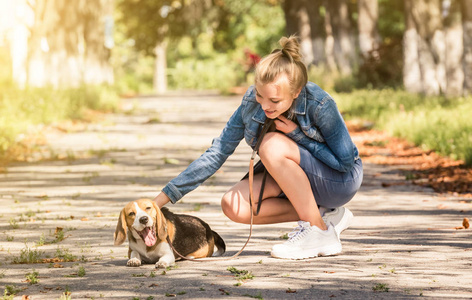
(321, 130)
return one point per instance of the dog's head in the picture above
(143, 219)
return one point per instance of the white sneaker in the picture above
(340, 217)
(307, 241)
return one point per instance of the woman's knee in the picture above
(276, 146)
(233, 208)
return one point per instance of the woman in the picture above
(313, 165)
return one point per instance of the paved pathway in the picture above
(402, 243)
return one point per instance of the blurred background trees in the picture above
(406, 64)
(148, 45)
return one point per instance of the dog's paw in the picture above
(163, 264)
(133, 262)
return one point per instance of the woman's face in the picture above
(275, 97)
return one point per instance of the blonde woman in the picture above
(313, 165)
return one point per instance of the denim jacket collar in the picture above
(300, 108)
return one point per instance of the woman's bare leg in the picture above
(281, 157)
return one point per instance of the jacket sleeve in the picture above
(210, 161)
(338, 150)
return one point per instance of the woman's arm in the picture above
(209, 162)
(161, 199)
(338, 151)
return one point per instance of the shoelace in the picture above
(297, 232)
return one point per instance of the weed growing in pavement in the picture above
(258, 296)
(14, 224)
(32, 278)
(380, 287)
(65, 254)
(28, 256)
(240, 275)
(10, 291)
(81, 272)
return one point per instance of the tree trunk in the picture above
(66, 44)
(160, 68)
(318, 34)
(424, 51)
(411, 67)
(466, 8)
(369, 38)
(97, 15)
(298, 23)
(329, 44)
(454, 51)
(340, 24)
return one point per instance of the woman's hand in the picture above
(285, 125)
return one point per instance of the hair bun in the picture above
(291, 48)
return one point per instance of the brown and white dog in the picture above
(147, 228)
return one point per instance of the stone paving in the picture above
(402, 244)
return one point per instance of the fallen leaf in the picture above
(442, 206)
(58, 266)
(99, 214)
(84, 219)
(25, 297)
(458, 227)
(466, 223)
(153, 285)
(58, 229)
(290, 291)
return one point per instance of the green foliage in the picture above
(380, 287)
(435, 123)
(240, 275)
(20, 109)
(28, 256)
(10, 291)
(32, 278)
(218, 72)
(204, 52)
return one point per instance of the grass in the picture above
(240, 275)
(28, 256)
(434, 123)
(21, 109)
(32, 278)
(380, 287)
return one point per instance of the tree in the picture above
(152, 23)
(453, 48)
(338, 28)
(466, 8)
(67, 43)
(369, 38)
(298, 23)
(434, 47)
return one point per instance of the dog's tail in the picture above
(219, 243)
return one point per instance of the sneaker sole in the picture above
(325, 251)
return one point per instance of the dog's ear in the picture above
(121, 228)
(160, 223)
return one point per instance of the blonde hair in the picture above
(286, 60)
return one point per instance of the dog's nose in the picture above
(143, 220)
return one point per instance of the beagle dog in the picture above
(147, 228)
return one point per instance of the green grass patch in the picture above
(433, 123)
(20, 109)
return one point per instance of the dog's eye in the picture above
(148, 208)
(131, 214)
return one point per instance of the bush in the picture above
(21, 109)
(435, 123)
(219, 72)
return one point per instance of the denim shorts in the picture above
(330, 187)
